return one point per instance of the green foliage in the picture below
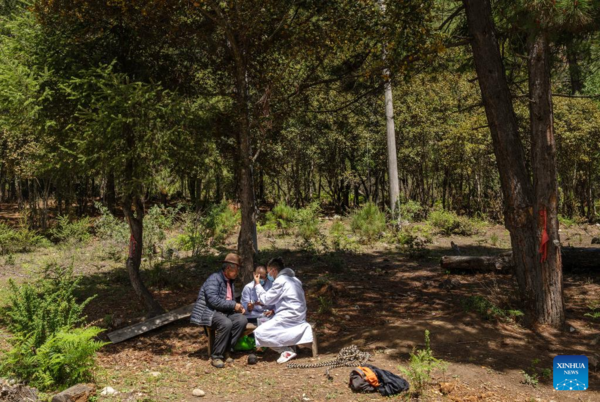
(413, 240)
(412, 211)
(420, 366)
(65, 359)
(494, 239)
(47, 350)
(307, 223)
(114, 232)
(368, 222)
(488, 310)
(109, 227)
(219, 222)
(156, 222)
(594, 313)
(450, 223)
(38, 310)
(340, 238)
(282, 217)
(531, 375)
(9, 260)
(322, 280)
(77, 231)
(202, 230)
(19, 241)
(566, 221)
(325, 305)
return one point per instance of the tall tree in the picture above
(390, 133)
(531, 209)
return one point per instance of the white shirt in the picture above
(288, 327)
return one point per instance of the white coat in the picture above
(288, 326)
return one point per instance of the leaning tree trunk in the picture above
(516, 186)
(131, 200)
(547, 275)
(134, 260)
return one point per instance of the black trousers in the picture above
(228, 327)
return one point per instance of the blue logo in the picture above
(570, 373)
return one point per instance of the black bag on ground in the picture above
(389, 383)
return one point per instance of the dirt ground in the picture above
(382, 301)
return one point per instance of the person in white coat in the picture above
(288, 327)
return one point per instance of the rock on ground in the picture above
(77, 393)
(108, 391)
(198, 392)
(12, 392)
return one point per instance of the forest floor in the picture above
(376, 298)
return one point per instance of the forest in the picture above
(363, 141)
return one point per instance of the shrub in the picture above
(340, 240)
(282, 216)
(449, 223)
(368, 222)
(531, 376)
(411, 211)
(219, 222)
(74, 232)
(19, 241)
(566, 221)
(156, 222)
(325, 305)
(488, 310)
(109, 227)
(494, 239)
(413, 240)
(420, 366)
(47, 350)
(594, 313)
(307, 223)
(39, 309)
(114, 232)
(64, 359)
(192, 238)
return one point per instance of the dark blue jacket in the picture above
(212, 297)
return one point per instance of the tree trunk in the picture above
(541, 301)
(574, 68)
(131, 200)
(247, 239)
(547, 276)
(391, 135)
(391, 145)
(134, 260)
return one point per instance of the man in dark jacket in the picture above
(216, 308)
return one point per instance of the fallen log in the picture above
(123, 334)
(573, 258)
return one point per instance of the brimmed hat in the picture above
(233, 258)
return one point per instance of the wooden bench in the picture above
(249, 329)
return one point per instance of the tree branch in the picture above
(352, 102)
(452, 16)
(577, 96)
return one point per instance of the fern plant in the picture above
(48, 350)
(67, 358)
(421, 365)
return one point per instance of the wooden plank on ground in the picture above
(123, 334)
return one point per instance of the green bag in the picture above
(244, 344)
